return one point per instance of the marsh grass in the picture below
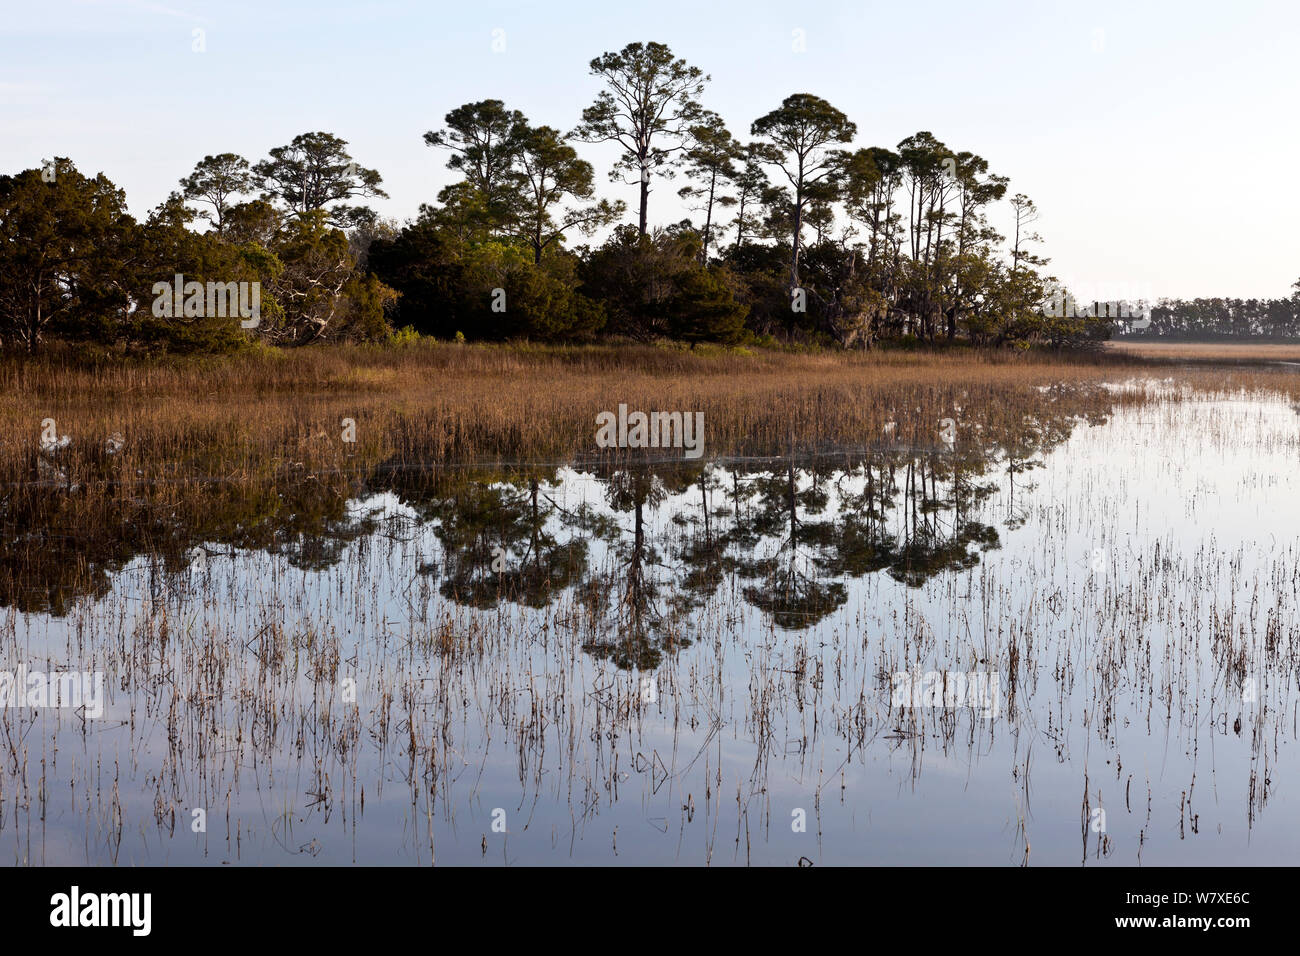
(237, 417)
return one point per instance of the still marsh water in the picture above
(677, 663)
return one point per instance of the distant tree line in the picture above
(1201, 319)
(793, 236)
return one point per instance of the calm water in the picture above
(680, 664)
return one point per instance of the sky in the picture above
(1156, 138)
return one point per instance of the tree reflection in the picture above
(495, 540)
(660, 542)
(642, 627)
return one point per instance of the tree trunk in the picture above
(794, 243)
(708, 219)
(645, 197)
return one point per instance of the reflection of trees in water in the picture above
(495, 542)
(642, 627)
(702, 549)
(793, 533)
(906, 515)
(788, 584)
(58, 546)
(46, 566)
(938, 533)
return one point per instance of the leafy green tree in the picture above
(463, 213)
(655, 286)
(256, 221)
(216, 180)
(366, 306)
(65, 246)
(484, 139)
(423, 264)
(316, 172)
(762, 272)
(751, 184)
(842, 305)
(648, 107)
(705, 308)
(556, 192)
(711, 165)
(800, 133)
(486, 290)
(872, 177)
(547, 303)
(929, 179)
(975, 189)
(164, 247)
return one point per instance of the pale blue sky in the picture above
(1156, 137)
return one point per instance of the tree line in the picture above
(793, 236)
(1201, 319)
(77, 268)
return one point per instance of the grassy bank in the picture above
(1206, 351)
(450, 403)
(444, 403)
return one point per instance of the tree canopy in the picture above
(799, 235)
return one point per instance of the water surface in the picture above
(681, 663)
